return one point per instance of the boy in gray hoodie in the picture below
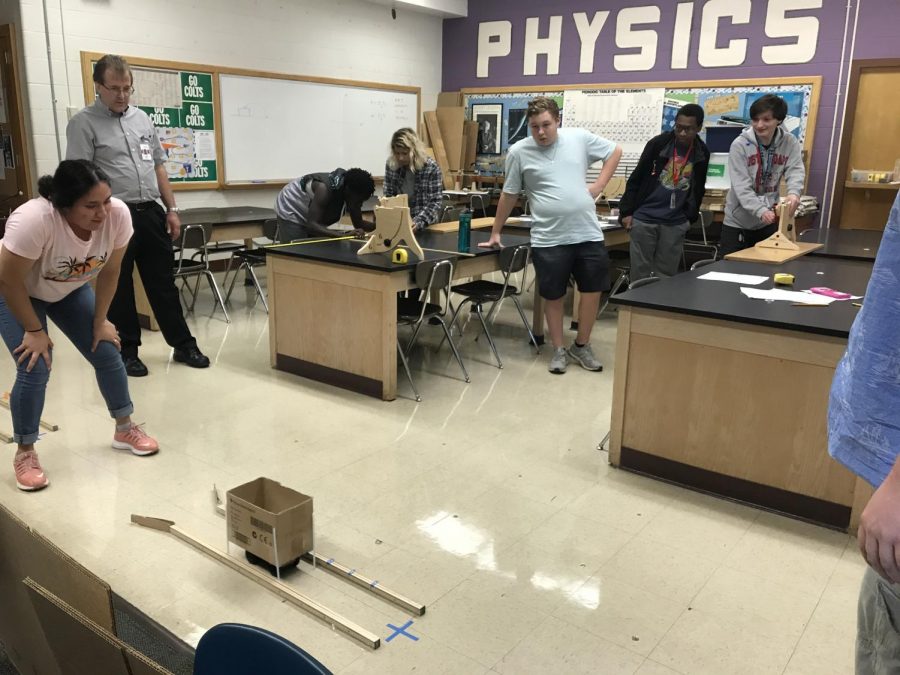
(758, 159)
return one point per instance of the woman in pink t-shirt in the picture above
(53, 247)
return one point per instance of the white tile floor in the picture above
(489, 502)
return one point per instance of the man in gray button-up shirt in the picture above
(122, 140)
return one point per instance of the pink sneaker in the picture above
(136, 440)
(29, 474)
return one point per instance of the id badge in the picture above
(672, 201)
(146, 155)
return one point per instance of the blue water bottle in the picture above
(465, 229)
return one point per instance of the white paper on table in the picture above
(799, 297)
(751, 279)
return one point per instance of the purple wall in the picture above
(876, 38)
(876, 33)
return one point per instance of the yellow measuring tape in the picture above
(396, 250)
(308, 241)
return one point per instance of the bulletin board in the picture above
(236, 128)
(733, 103)
(601, 107)
(514, 124)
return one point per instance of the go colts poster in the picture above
(180, 105)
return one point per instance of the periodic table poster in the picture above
(630, 117)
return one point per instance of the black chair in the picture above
(646, 281)
(249, 259)
(621, 262)
(446, 208)
(238, 649)
(701, 239)
(702, 263)
(405, 365)
(215, 247)
(196, 237)
(513, 260)
(431, 276)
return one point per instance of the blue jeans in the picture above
(74, 316)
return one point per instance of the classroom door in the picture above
(871, 141)
(15, 174)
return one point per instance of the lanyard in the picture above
(675, 168)
(762, 175)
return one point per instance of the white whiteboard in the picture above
(276, 129)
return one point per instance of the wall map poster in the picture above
(180, 105)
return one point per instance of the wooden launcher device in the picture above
(393, 224)
(781, 246)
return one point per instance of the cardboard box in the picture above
(263, 516)
(451, 121)
(81, 645)
(25, 553)
(449, 99)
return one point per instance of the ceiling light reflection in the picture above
(460, 539)
(586, 594)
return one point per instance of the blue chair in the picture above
(237, 649)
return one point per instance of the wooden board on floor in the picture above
(470, 150)
(440, 150)
(274, 586)
(772, 255)
(451, 121)
(449, 99)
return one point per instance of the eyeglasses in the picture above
(124, 91)
(685, 129)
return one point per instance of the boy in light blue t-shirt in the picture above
(566, 239)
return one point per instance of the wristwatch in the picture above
(173, 209)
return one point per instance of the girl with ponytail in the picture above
(54, 245)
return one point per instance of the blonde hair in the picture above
(406, 139)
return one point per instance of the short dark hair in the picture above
(359, 182)
(542, 104)
(114, 63)
(691, 110)
(73, 179)
(769, 102)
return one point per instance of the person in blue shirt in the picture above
(566, 240)
(864, 436)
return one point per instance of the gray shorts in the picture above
(587, 261)
(877, 626)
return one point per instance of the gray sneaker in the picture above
(559, 361)
(585, 356)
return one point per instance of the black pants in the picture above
(737, 239)
(151, 249)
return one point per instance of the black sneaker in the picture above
(192, 356)
(134, 366)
